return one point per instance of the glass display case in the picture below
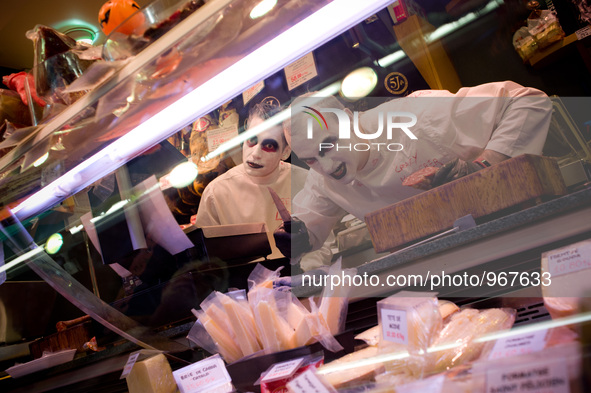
(98, 243)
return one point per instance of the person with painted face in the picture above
(241, 194)
(453, 134)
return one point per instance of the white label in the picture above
(519, 345)
(282, 370)
(201, 376)
(307, 382)
(429, 385)
(394, 326)
(300, 71)
(569, 259)
(129, 365)
(543, 377)
(584, 32)
(253, 91)
(217, 136)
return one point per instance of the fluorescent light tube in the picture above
(329, 21)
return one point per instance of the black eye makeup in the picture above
(270, 145)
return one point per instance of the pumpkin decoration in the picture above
(113, 12)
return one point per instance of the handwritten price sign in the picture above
(300, 71)
(394, 326)
(202, 376)
(569, 259)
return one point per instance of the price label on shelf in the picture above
(548, 376)
(251, 92)
(520, 344)
(571, 259)
(282, 370)
(583, 33)
(300, 71)
(217, 136)
(394, 326)
(202, 376)
(129, 365)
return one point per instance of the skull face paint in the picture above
(262, 153)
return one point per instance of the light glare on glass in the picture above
(359, 83)
(262, 8)
(54, 243)
(183, 174)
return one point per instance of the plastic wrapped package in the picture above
(274, 332)
(461, 331)
(208, 334)
(335, 299)
(371, 336)
(152, 375)
(525, 45)
(356, 368)
(410, 319)
(409, 322)
(241, 318)
(228, 320)
(544, 28)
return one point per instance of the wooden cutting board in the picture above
(512, 183)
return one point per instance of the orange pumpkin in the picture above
(113, 12)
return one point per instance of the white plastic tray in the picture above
(45, 361)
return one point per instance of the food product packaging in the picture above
(456, 343)
(335, 299)
(544, 28)
(525, 44)
(270, 384)
(409, 322)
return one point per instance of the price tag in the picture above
(217, 136)
(549, 376)
(129, 365)
(253, 91)
(519, 345)
(583, 33)
(429, 385)
(571, 259)
(282, 370)
(202, 376)
(394, 327)
(307, 382)
(300, 71)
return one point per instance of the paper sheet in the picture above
(158, 222)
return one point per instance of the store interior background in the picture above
(480, 51)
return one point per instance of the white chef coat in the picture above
(503, 116)
(237, 198)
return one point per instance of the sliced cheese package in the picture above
(262, 277)
(241, 319)
(214, 338)
(462, 330)
(152, 375)
(335, 297)
(269, 311)
(371, 336)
